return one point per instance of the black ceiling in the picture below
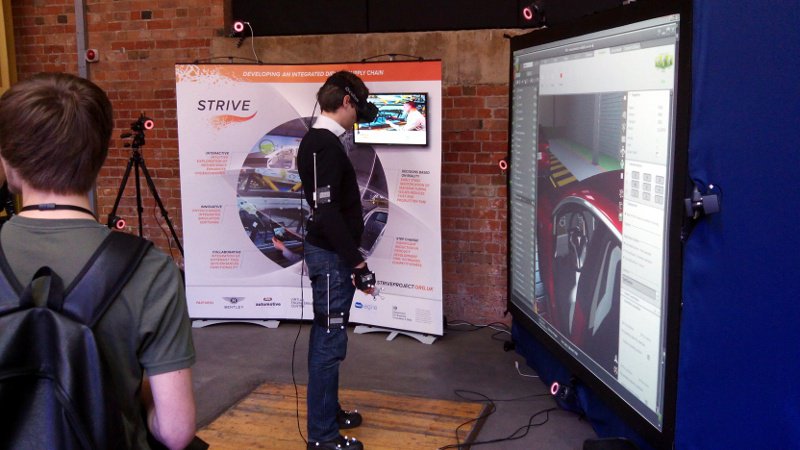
(301, 17)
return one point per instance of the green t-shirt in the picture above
(145, 330)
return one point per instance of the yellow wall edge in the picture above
(8, 66)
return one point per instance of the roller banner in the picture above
(239, 128)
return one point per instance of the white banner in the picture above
(239, 127)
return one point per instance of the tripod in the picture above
(136, 162)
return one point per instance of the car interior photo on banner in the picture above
(579, 215)
(270, 197)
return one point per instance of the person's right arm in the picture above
(166, 353)
(169, 402)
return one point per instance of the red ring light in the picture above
(238, 26)
(554, 388)
(503, 164)
(119, 224)
(149, 124)
(527, 13)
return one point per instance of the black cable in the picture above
(311, 118)
(294, 347)
(499, 327)
(302, 294)
(462, 393)
(526, 428)
(497, 333)
(486, 413)
(492, 408)
(302, 308)
(229, 58)
(167, 236)
(493, 325)
(394, 55)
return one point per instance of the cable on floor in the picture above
(492, 408)
(477, 396)
(499, 327)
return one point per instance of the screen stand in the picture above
(201, 323)
(424, 338)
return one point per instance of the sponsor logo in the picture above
(400, 315)
(204, 302)
(297, 302)
(234, 302)
(267, 301)
(366, 307)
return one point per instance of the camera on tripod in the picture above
(137, 131)
(136, 162)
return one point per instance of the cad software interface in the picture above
(592, 132)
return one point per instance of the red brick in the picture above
(137, 70)
(492, 90)
(470, 146)
(468, 102)
(453, 91)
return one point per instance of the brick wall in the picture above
(475, 136)
(139, 42)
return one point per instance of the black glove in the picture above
(364, 278)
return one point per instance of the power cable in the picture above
(499, 327)
(490, 410)
(300, 325)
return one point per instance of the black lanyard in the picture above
(53, 207)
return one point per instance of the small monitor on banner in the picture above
(401, 120)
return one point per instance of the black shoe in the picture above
(348, 419)
(340, 443)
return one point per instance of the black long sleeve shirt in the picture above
(337, 219)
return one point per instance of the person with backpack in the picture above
(55, 131)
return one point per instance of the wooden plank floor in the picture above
(266, 419)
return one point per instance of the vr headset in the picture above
(366, 112)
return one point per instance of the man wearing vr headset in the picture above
(335, 265)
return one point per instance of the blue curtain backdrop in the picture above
(738, 380)
(738, 384)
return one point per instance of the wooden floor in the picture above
(266, 419)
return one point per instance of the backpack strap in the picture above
(10, 287)
(103, 277)
(54, 289)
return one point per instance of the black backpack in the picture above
(54, 389)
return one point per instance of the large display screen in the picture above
(402, 120)
(597, 153)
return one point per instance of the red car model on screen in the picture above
(579, 236)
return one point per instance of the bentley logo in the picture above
(233, 300)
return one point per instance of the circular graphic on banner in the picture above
(269, 193)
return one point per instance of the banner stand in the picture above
(424, 338)
(201, 323)
(241, 192)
